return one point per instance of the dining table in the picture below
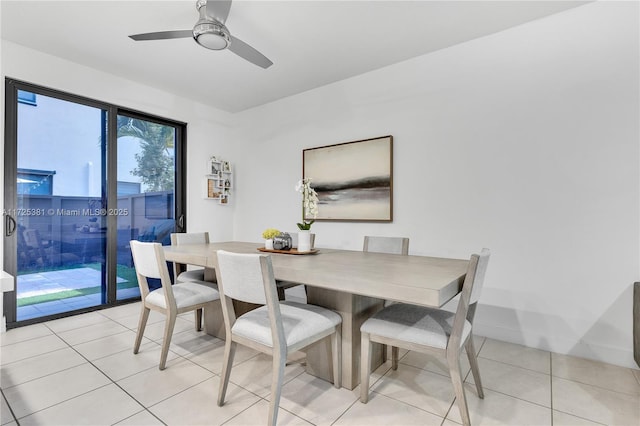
(355, 284)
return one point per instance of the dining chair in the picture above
(182, 238)
(40, 248)
(390, 245)
(425, 329)
(277, 328)
(41, 252)
(170, 300)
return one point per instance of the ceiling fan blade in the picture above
(219, 9)
(247, 52)
(162, 35)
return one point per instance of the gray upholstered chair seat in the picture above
(191, 275)
(298, 319)
(415, 324)
(186, 294)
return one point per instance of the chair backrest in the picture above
(294, 238)
(32, 238)
(391, 245)
(149, 262)
(181, 238)
(471, 288)
(249, 278)
(478, 279)
(242, 276)
(184, 238)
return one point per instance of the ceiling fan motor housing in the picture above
(211, 34)
(208, 32)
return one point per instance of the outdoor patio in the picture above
(51, 292)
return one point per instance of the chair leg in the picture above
(198, 315)
(395, 354)
(277, 377)
(170, 322)
(473, 360)
(453, 359)
(227, 362)
(365, 366)
(336, 352)
(142, 323)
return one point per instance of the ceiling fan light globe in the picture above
(211, 35)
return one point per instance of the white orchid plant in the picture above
(309, 203)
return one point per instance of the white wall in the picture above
(525, 142)
(209, 130)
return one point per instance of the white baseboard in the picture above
(562, 344)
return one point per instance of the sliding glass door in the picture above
(146, 190)
(78, 187)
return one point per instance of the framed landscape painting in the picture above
(354, 180)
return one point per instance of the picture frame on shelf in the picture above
(211, 189)
(226, 166)
(214, 167)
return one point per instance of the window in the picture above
(28, 98)
(35, 182)
(128, 188)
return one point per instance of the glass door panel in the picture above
(146, 192)
(60, 232)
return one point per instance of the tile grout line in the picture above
(551, 385)
(345, 411)
(239, 413)
(598, 387)
(580, 417)
(407, 403)
(13, 414)
(101, 372)
(414, 406)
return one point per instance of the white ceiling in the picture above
(312, 43)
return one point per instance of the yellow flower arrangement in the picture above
(269, 233)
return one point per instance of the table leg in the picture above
(354, 310)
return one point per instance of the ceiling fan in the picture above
(210, 32)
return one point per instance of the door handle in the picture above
(10, 225)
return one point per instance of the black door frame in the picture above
(109, 165)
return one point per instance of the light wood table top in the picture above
(423, 280)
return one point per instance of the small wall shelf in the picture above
(218, 180)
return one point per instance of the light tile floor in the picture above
(81, 371)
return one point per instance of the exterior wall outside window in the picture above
(47, 121)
